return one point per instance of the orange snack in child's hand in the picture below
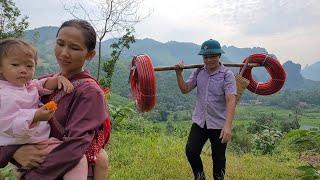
(51, 105)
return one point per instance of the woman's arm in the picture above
(58, 82)
(30, 156)
(26, 156)
(87, 113)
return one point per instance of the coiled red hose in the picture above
(142, 81)
(274, 69)
(143, 85)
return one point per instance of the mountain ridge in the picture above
(168, 53)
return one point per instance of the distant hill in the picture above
(168, 53)
(236, 54)
(294, 79)
(312, 71)
(169, 97)
(47, 34)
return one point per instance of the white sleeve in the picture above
(192, 80)
(21, 124)
(15, 123)
(39, 85)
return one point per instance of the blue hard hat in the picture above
(210, 47)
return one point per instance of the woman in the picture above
(80, 117)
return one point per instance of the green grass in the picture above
(133, 156)
(142, 154)
(159, 156)
(248, 112)
(245, 113)
(306, 121)
(118, 100)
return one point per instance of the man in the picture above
(214, 110)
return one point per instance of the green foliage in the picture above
(302, 140)
(272, 120)
(266, 141)
(11, 24)
(291, 99)
(265, 134)
(8, 172)
(287, 125)
(262, 121)
(241, 141)
(125, 119)
(119, 114)
(117, 48)
(306, 141)
(310, 173)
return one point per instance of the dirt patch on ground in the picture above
(312, 159)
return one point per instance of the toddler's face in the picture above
(17, 67)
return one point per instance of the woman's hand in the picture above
(64, 83)
(30, 156)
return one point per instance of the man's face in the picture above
(211, 61)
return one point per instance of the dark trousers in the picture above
(196, 140)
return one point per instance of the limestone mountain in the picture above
(294, 79)
(312, 71)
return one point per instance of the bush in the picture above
(288, 125)
(241, 141)
(266, 141)
(302, 141)
(262, 121)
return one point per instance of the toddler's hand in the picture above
(64, 83)
(42, 114)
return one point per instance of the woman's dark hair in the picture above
(89, 33)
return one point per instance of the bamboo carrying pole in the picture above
(191, 66)
(143, 85)
(241, 82)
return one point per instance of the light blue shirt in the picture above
(210, 106)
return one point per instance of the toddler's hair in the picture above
(8, 45)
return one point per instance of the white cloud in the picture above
(287, 28)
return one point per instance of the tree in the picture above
(11, 24)
(117, 48)
(106, 16)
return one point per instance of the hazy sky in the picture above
(290, 29)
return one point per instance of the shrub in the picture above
(241, 141)
(302, 140)
(266, 141)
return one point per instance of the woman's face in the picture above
(71, 51)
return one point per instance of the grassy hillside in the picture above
(159, 156)
(141, 149)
